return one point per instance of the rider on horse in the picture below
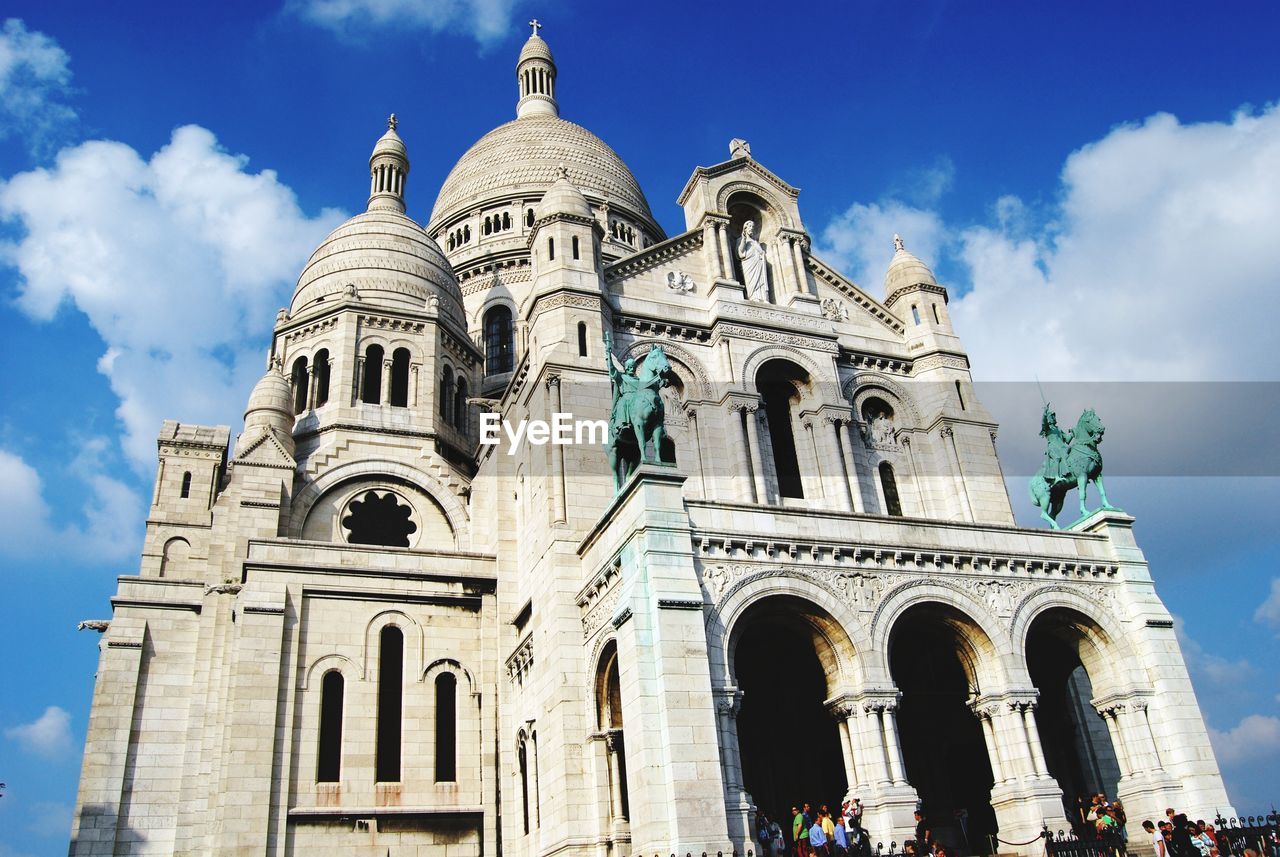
(1059, 444)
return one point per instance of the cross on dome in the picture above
(897, 243)
(392, 122)
(536, 26)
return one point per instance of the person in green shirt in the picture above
(800, 832)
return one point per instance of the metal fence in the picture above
(1261, 833)
(1067, 844)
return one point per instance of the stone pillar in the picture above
(1146, 735)
(728, 704)
(726, 261)
(985, 715)
(413, 393)
(915, 475)
(875, 744)
(384, 396)
(359, 384)
(820, 477)
(558, 513)
(845, 439)
(839, 464)
(311, 386)
(1108, 713)
(753, 445)
(1032, 729)
(797, 251)
(740, 416)
(711, 246)
(892, 745)
(949, 440)
(614, 745)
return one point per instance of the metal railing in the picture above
(1258, 832)
(1068, 844)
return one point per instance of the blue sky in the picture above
(1099, 184)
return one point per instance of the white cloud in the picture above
(860, 241)
(1253, 740)
(1268, 611)
(35, 77)
(112, 513)
(49, 735)
(485, 20)
(178, 261)
(1207, 668)
(49, 819)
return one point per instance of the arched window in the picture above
(399, 393)
(371, 381)
(960, 396)
(299, 385)
(446, 728)
(582, 339)
(499, 349)
(522, 754)
(915, 313)
(186, 485)
(446, 395)
(466, 233)
(321, 370)
(528, 217)
(488, 226)
(575, 247)
(329, 756)
(888, 484)
(551, 248)
(777, 382)
(450, 242)
(390, 699)
(506, 220)
(460, 405)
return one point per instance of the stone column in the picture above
(892, 744)
(839, 465)
(728, 704)
(753, 444)
(613, 742)
(711, 245)
(949, 439)
(854, 484)
(1148, 738)
(311, 387)
(1032, 730)
(359, 385)
(1022, 738)
(558, 513)
(875, 744)
(384, 397)
(726, 261)
(985, 716)
(1108, 714)
(915, 475)
(740, 417)
(413, 394)
(695, 424)
(820, 476)
(535, 787)
(797, 251)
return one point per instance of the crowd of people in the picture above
(1175, 836)
(816, 833)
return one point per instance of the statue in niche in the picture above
(882, 429)
(755, 270)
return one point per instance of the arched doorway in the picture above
(783, 385)
(933, 656)
(1062, 651)
(784, 660)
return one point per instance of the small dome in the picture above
(535, 48)
(390, 261)
(562, 198)
(390, 144)
(906, 270)
(270, 409)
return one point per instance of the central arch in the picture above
(935, 658)
(785, 656)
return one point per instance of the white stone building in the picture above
(359, 631)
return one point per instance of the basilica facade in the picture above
(359, 629)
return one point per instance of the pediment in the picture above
(267, 451)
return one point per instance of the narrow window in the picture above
(371, 383)
(777, 394)
(446, 728)
(575, 247)
(915, 313)
(329, 760)
(390, 696)
(551, 248)
(893, 505)
(960, 396)
(488, 226)
(528, 217)
(186, 485)
(460, 405)
(936, 320)
(499, 349)
(466, 233)
(582, 339)
(523, 760)
(446, 395)
(506, 220)
(398, 395)
(299, 385)
(321, 370)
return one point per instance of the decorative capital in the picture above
(948, 431)
(613, 740)
(553, 381)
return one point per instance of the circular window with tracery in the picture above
(379, 518)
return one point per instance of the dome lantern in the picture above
(536, 73)
(388, 168)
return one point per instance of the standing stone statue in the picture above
(755, 270)
(1071, 460)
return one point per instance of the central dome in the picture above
(522, 158)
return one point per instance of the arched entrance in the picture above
(934, 650)
(1062, 651)
(784, 659)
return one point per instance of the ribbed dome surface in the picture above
(906, 270)
(535, 48)
(563, 198)
(522, 156)
(388, 258)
